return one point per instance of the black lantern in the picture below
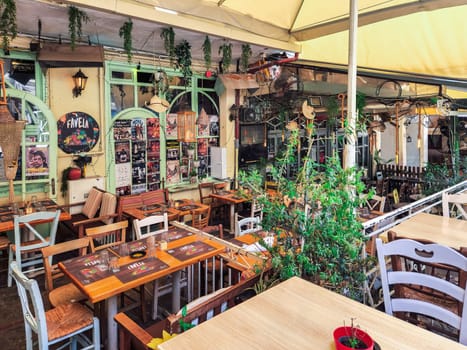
(80, 81)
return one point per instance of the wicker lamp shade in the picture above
(186, 124)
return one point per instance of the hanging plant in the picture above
(183, 54)
(246, 54)
(168, 36)
(76, 18)
(125, 33)
(8, 28)
(207, 52)
(226, 50)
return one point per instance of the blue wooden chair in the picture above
(64, 325)
(29, 241)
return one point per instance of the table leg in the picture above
(176, 291)
(232, 218)
(112, 329)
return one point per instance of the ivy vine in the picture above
(8, 26)
(76, 18)
(183, 54)
(125, 33)
(226, 50)
(246, 54)
(168, 35)
(207, 52)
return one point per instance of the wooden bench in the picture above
(133, 336)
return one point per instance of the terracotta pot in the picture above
(74, 174)
(343, 333)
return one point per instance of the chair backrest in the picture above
(108, 207)
(28, 221)
(106, 236)
(248, 225)
(32, 306)
(430, 254)
(160, 196)
(128, 202)
(205, 189)
(93, 202)
(455, 203)
(376, 203)
(200, 217)
(150, 225)
(52, 272)
(220, 186)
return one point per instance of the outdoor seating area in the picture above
(226, 174)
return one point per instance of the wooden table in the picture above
(108, 286)
(140, 213)
(6, 214)
(436, 228)
(232, 198)
(297, 314)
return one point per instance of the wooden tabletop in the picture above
(297, 314)
(110, 286)
(229, 196)
(140, 213)
(436, 228)
(6, 215)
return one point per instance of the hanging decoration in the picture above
(183, 54)
(8, 28)
(226, 50)
(207, 51)
(76, 17)
(125, 33)
(168, 35)
(245, 57)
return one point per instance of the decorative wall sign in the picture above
(77, 132)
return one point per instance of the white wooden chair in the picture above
(64, 324)
(150, 225)
(376, 203)
(248, 225)
(29, 241)
(430, 254)
(455, 203)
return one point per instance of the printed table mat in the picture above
(85, 268)
(150, 207)
(188, 207)
(177, 233)
(189, 251)
(140, 268)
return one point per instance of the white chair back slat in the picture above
(143, 227)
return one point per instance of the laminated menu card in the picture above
(140, 268)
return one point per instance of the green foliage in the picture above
(332, 107)
(76, 17)
(168, 35)
(226, 50)
(184, 326)
(207, 52)
(317, 211)
(438, 177)
(183, 53)
(8, 26)
(125, 33)
(246, 54)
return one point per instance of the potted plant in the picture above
(352, 337)
(314, 218)
(168, 36)
(207, 54)
(183, 54)
(226, 50)
(193, 176)
(245, 57)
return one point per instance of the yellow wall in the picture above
(91, 101)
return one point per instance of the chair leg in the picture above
(143, 303)
(10, 259)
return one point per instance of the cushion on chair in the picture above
(108, 206)
(64, 294)
(93, 203)
(67, 318)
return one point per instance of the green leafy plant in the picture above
(184, 326)
(168, 35)
(314, 218)
(125, 33)
(438, 177)
(183, 54)
(8, 28)
(207, 52)
(226, 50)
(245, 57)
(76, 18)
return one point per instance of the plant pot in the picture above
(342, 335)
(74, 174)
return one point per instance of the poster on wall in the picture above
(171, 126)
(122, 130)
(122, 152)
(138, 130)
(37, 164)
(123, 178)
(153, 128)
(173, 172)
(77, 132)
